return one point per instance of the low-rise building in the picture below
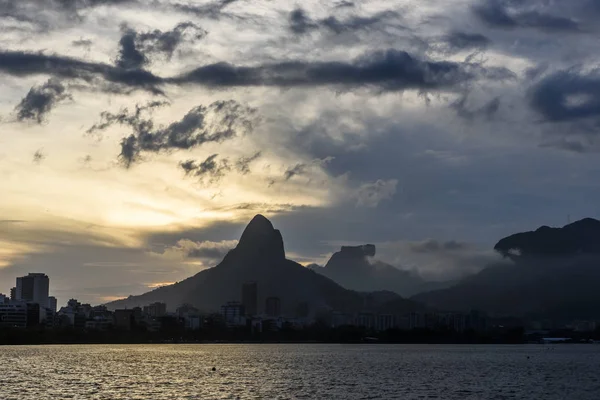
(233, 314)
(19, 315)
(156, 310)
(124, 319)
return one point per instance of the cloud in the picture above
(371, 194)
(243, 163)
(40, 100)
(302, 168)
(506, 14)
(21, 63)
(487, 111)
(45, 15)
(214, 169)
(301, 23)
(212, 10)
(205, 250)
(457, 40)
(390, 70)
(567, 95)
(439, 260)
(436, 246)
(135, 47)
(85, 43)
(217, 122)
(211, 167)
(38, 156)
(130, 57)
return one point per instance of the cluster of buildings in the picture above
(29, 303)
(236, 314)
(457, 322)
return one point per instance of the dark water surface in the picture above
(300, 372)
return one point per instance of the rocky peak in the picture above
(260, 239)
(365, 250)
(352, 258)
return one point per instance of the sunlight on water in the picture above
(299, 371)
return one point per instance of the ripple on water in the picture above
(299, 371)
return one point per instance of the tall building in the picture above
(33, 288)
(52, 303)
(273, 307)
(25, 288)
(4, 299)
(250, 298)
(13, 293)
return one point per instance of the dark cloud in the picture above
(220, 121)
(509, 14)
(210, 168)
(86, 43)
(134, 47)
(390, 70)
(457, 40)
(157, 41)
(569, 144)
(487, 111)
(44, 15)
(345, 4)
(40, 100)
(567, 96)
(130, 57)
(38, 156)
(212, 10)
(20, 63)
(243, 163)
(301, 23)
(303, 168)
(387, 70)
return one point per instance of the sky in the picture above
(138, 137)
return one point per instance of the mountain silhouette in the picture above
(581, 237)
(354, 268)
(550, 273)
(259, 257)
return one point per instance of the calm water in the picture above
(300, 371)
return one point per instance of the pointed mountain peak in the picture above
(260, 238)
(260, 223)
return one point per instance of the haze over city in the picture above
(137, 141)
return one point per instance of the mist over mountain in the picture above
(354, 268)
(260, 257)
(548, 273)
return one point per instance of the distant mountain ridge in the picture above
(353, 268)
(259, 257)
(580, 237)
(552, 273)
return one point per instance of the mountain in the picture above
(258, 257)
(353, 268)
(550, 273)
(581, 237)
